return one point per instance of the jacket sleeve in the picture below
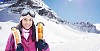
(10, 46)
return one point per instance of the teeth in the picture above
(27, 25)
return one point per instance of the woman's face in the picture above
(27, 22)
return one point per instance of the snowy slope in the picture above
(4, 33)
(58, 37)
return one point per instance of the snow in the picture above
(59, 37)
(97, 26)
(5, 31)
(2, 6)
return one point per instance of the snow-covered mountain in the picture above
(97, 26)
(39, 6)
(84, 27)
(60, 35)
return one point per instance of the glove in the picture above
(41, 44)
(20, 47)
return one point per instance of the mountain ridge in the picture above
(43, 10)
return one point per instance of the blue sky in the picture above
(76, 10)
(1, 0)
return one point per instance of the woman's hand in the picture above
(41, 44)
(19, 47)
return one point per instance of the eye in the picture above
(30, 19)
(25, 19)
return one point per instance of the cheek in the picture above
(31, 23)
(23, 23)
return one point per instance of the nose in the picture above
(27, 22)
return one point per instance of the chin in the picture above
(27, 28)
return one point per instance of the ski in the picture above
(40, 31)
(17, 36)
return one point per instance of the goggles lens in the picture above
(25, 13)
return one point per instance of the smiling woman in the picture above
(27, 35)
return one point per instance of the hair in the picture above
(19, 27)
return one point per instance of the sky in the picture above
(76, 10)
(1, 0)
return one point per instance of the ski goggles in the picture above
(30, 12)
(26, 12)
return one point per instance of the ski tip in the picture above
(40, 23)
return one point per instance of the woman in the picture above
(27, 31)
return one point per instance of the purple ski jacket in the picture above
(28, 44)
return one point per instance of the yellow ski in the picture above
(16, 35)
(40, 31)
